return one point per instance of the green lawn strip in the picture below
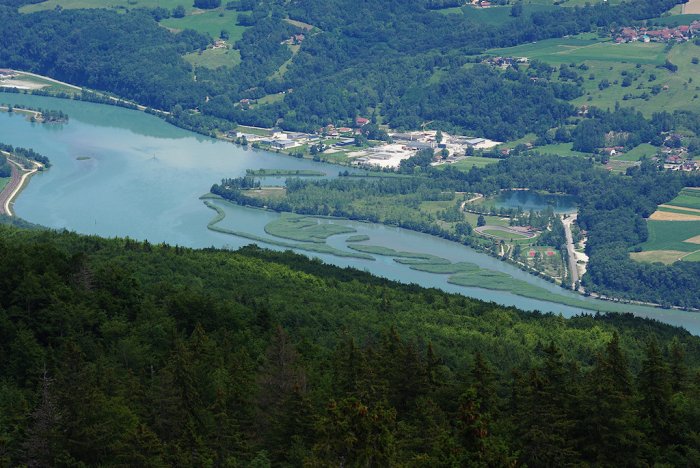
(686, 200)
(3, 182)
(284, 172)
(670, 235)
(316, 248)
(304, 229)
(678, 210)
(693, 257)
(357, 238)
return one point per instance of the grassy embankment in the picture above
(284, 172)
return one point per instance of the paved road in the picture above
(573, 268)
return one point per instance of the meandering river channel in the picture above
(119, 172)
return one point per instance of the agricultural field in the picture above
(688, 198)
(670, 241)
(210, 22)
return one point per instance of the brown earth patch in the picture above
(664, 256)
(693, 240)
(667, 216)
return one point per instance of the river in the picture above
(119, 172)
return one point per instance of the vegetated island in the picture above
(46, 116)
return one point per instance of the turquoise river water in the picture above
(118, 172)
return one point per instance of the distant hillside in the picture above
(307, 64)
(121, 352)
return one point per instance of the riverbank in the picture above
(18, 180)
(161, 194)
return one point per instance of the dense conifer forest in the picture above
(122, 352)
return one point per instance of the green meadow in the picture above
(637, 153)
(210, 22)
(214, 58)
(585, 47)
(469, 162)
(651, 88)
(111, 4)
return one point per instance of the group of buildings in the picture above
(680, 33)
(504, 62)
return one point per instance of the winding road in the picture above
(19, 177)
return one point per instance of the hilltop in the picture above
(121, 351)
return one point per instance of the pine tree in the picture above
(609, 422)
(544, 419)
(654, 384)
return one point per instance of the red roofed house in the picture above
(361, 121)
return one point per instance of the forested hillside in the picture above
(119, 352)
(397, 60)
